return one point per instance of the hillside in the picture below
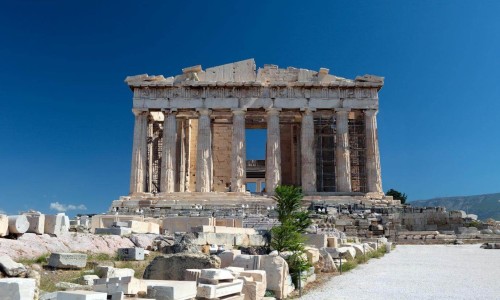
(484, 206)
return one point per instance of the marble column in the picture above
(342, 152)
(169, 153)
(238, 163)
(273, 151)
(139, 153)
(307, 153)
(182, 158)
(374, 179)
(204, 162)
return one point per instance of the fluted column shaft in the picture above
(204, 162)
(169, 153)
(238, 164)
(307, 154)
(139, 153)
(373, 172)
(342, 152)
(273, 151)
(182, 158)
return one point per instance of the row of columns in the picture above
(204, 161)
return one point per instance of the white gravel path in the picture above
(420, 272)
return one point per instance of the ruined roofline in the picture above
(244, 73)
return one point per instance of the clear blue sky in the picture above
(66, 121)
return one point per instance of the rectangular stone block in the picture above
(131, 253)
(192, 274)
(81, 295)
(37, 223)
(17, 288)
(171, 289)
(56, 224)
(127, 285)
(317, 240)
(248, 262)
(210, 291)
(110, 272)
(4, 225)
(332, 242)
(68, 260)
(121, 231)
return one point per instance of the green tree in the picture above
(288, 235)
(397, 195)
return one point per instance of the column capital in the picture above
(307, 110)
(139, 111)
(239, 111)
(167, 111)
(204, 111)
(371, 112)
(273, 111)
(340, 110)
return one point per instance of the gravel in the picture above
(420, 272)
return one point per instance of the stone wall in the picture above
(222, 143)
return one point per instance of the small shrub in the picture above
(349, 265)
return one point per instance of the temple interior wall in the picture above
(222, 148)
(289, 136)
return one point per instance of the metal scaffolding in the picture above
(325, 129)
(357, 145)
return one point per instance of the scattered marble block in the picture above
(131, 253)
(215, 276)
(227, 257)
(127, 285)
(121, 231)
(37, 223)
(211, 291)
(10, 267)
(312, 255)
(18, 224)
(81, 295)
(192, 274)
(120, 224)
(68, 260)
(171, 289)
(4, 225)
(254, 284)
(87, 279)
(110, 272)
(56, 224)
(17, 288)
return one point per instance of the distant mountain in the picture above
(484, 206)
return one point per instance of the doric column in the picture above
(204, 163)
(169, 153)
(307, 154)
(139, 153)
(238, 164)
(182, 158)
(342, 153)
(372, 153)
(273, 151)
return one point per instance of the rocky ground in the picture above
(420, 272)
(31, 246)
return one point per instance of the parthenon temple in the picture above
(189, 133)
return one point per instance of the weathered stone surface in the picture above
(216, 274)
(17, 288)
(70, 286)
(227, 257)
(192, 274)
(110, 272)
(345, 252)
(10, 267)
(120, 231)
(277, 273)
(131, 253)
(312, 255)
(210, 291)
(248, 262)
(4, 225)
(171, 290)
(18, 224)
(68, 260)
(127, 285)
(37, 223)
(87, 279)
(254, 284)
(81, 295)
(56, 224)
(328, 263)
(332, 242)
(172, 266)
(317, 240)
